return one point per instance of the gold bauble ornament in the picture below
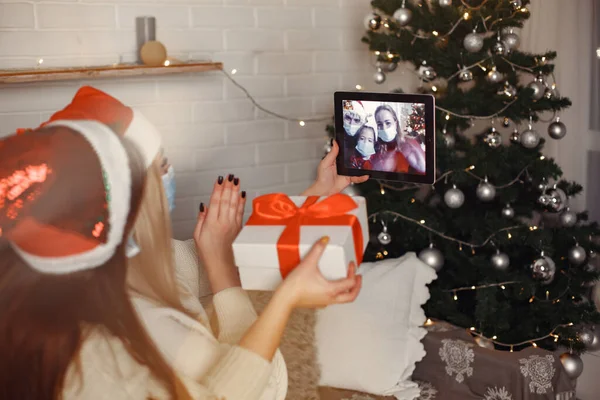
(153, 54)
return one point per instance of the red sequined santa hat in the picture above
(64, 195)
(92, 104)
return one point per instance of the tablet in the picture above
(388, 136)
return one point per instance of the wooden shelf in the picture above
(108, 71)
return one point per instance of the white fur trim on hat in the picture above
(115, 163)
(145, 136)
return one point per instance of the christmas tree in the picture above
(514, 262)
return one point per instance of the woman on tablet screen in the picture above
(396, 153)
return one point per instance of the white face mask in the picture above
(387, 135)
(365, 148)
(351, 129)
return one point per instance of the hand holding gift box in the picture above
(282, 229)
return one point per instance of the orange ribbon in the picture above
(279, 209)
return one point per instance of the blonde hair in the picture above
(151, 273)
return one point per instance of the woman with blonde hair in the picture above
(183, 334)
(69, 193)
(397, 152)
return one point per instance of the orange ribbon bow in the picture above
(279, 209)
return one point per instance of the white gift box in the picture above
(256, 255)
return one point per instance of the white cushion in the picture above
(373, 344)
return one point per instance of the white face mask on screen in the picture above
(388, 134)
(351, 129)
(366, 149)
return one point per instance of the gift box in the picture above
(463, 370)
(282, 229)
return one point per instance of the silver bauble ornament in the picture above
(538, 88)
(506, 122)
(403, 15)
(558, 199)
(508, 91)
(384, 237)
(454, 197)
(515, 136)
(516, 4)
(327, 147)
(486, 191)
(596, 332)
(445, 3)
(544, 199)
(572, 364)
(552, 93)
(484, 342)
(351, 190)
(379, 77)
(500, 261)
(473, 42)
(530, 138)
(543, 269)
(568, 218)
(577, 255)
(391, 67)
(499, 48)
(426, 72)
(465, 75)
(586, 337)
(508, 212)
(493, 139)
(373, 22)
(449, 140)
(432, 257)
(512, 41)
(495, 76)
(557, 130)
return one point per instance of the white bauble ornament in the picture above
(557, 130)
(568, 218)
(495, 76)
(543, 269)
(379, 77)
(538, 88)
(577, 255)
(454, 197)
(473, 42)
(372, 22)
(432, 257)
(500, 261)
(485, 191)
(530, 138)
(572, 364)
(403, 15)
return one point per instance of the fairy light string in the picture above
(421, 223)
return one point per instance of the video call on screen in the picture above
(384, 136)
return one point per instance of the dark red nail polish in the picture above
(230, 177)
(220, 180)
(201, 207)
(243, 194)
(236, 181)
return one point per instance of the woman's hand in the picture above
(414, 154)
(306, 287)
(217, 227)
(328, 181)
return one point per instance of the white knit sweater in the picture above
(210, 367)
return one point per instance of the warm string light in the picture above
(440, 234)
(301, 122)
(532, 342)
(502, 285)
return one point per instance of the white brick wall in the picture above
(290, 54)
